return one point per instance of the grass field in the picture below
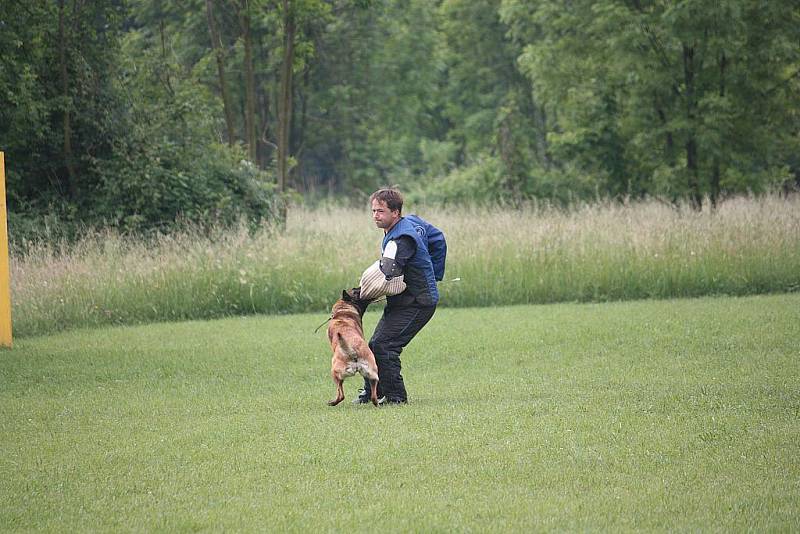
(679, 415)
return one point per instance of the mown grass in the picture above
(673, 415)
(601, 252)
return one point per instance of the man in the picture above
(416, 250)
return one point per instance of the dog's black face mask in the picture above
(354, 297)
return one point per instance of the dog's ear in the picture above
(351, 295)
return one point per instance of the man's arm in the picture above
(396, 255)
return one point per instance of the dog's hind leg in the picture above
(373, 394)
(339, 392)
(369, 370)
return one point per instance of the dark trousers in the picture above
(394, 331)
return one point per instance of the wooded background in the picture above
(143, 114)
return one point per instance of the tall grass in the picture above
(598, 252)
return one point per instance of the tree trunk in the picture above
(219, 53)
(299, 131)
(692, 166)
(67, 122)
(540, 119)
(669, 142)
(165, 66)
(265, 144)
(249, 83)
(716, 174)
(285, 105)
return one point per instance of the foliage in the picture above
(145, 147)
(679, 99)
(139, 113)
(487, 102)
(167, 166)
(373, 89)
(50, 73)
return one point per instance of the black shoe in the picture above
(363, 397)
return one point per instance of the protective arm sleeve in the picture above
(396, 254)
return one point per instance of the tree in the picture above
(373, 94)
(287, 90)
(680, 94)
(110, 110)
(489, 105)
(219, 54)
(57, 71)
(243, 8)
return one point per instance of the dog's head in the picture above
(353, 297)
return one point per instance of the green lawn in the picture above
(653, 415)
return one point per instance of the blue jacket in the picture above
(426, 266)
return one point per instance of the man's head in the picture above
(387, 207)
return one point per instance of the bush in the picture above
(167, 166)
(178, 184)
(480, 182)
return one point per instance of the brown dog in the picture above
(351, 353)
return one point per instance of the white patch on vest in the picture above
(391, 250)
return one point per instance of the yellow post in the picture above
(5, 278)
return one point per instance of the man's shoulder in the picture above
(404, 227)
(405, 242)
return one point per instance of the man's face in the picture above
(382, 215)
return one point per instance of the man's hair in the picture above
(392, 197)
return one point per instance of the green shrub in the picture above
(207, 187)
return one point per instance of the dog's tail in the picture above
(347, 349)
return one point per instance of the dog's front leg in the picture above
(339, 392)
